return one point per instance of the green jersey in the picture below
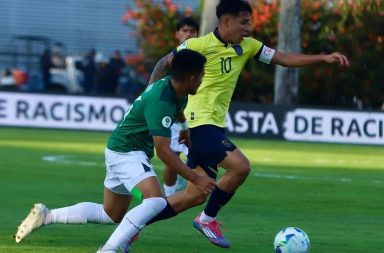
(224, 63)
(151, 114)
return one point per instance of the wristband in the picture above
(183, 126)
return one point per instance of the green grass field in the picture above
(334, 192)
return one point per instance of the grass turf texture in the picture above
(333, 192)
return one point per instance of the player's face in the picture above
(195, 82)
(186, 32)
(239, 27)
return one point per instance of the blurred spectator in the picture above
(45, 65)
(7, 82)
(102, 76)
(7, 78)
(127, 86)
(89, 72)
(12, 80)
(115, 67)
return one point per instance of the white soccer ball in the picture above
(291, 240)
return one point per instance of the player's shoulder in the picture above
(251, 41)
(155, 89)
(251, 46)
(197, 43)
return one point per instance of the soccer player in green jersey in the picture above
(227, 49)
(145, 126)
(186, 28)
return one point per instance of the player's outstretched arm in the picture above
(161, 68)
(300, 60)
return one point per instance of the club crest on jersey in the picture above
(238, 49)
(183, 45)
(167, 121)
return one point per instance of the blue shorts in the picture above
(209, 148)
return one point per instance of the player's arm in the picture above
(300, 60)
(164, 152)
(161, 68)
(184, 135)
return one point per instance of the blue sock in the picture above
(167, 213)
(216, 201)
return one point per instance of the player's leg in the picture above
(116, 203)
(169, 179)
(135, 174)
(182, 200)
(224, 152)
(237, 168)
(111, 211)
(115, 206)
(84, 212)
(135, 219)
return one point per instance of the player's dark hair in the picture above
(233, 7)
(187, 21)
(186, 63)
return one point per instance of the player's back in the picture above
(152, 113)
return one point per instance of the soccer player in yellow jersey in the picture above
(227, 49)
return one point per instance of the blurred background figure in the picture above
(89, 72)
(115, 67)
(127, 86)
(45, 66)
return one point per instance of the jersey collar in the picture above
(237, 47)
(217, 35)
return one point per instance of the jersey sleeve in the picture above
(195, 44)
(159, 118)
(255, 46)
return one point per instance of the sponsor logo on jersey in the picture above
(167, 121)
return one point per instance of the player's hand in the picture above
(337, 58)
(184, 138)
(204, 184)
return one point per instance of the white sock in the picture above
(169, 190)
(85, 212)
(205, 218)
(134, 221)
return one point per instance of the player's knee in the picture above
(244, 169)
(157, 204)
(198, 199)
(115, 215)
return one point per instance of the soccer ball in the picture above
(291, 240)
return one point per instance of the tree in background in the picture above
(354, 28)
(154, 25)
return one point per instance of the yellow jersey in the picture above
(224, 63)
